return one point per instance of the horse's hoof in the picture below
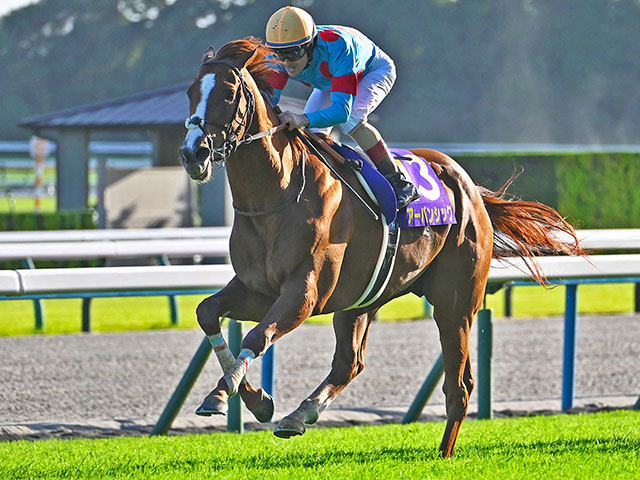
(264, 412)
(212, 406)
(289, 427)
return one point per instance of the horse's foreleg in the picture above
(238, 303)
(295, 304)
(351, 332)
(257, 400)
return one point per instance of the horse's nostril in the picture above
(202, 154)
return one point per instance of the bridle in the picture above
(230, 134)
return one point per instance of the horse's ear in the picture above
(244, 58)
(208, 54)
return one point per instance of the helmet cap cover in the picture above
(290, 27)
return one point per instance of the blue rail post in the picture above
(268, 370)
(38, 304)
(187, 381)
(570, 327)
(234, 419)
(425, 392)
(485, 364)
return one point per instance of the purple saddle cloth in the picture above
(432, 208)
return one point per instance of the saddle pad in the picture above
(432, 208)
(380, 187)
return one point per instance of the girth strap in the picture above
(384, 266)
(386, 257)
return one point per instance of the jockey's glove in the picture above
(293, 120)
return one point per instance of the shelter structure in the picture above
(157, 114)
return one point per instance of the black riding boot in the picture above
(405, 190)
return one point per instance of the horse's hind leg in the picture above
(458, 383)
(237, 302)
(455, 285)
(351, 332)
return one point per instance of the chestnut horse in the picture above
(302, 244)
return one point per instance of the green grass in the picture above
(585, 446)
(26, 177)
(26, 204)
(107, 314)
(143, 313)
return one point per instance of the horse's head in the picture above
(221, 106)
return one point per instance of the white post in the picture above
(39, 149)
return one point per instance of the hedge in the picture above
(590, 190)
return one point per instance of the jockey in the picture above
(349, 75)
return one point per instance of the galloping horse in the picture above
(301, 243)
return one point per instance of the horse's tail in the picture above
(525, 229)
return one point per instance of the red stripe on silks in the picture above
(329, 35)
(345, 84)
(220, 348)
(306, 84)
(278, 79)
(378, 152)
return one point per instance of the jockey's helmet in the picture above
(290, 33)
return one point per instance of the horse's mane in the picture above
(258, 66)
(260, 69)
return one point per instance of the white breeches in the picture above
(372, 89)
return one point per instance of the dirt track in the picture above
(105, 384)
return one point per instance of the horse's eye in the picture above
(231, 97)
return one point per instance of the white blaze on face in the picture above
(207, 82)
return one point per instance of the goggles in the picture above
(290, 54)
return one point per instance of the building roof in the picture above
(166, 106)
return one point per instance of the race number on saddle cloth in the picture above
(432, 208)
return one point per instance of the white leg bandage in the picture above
(220, 347)
(235, 375)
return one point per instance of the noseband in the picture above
(230, 134)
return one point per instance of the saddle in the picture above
(432, 208)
